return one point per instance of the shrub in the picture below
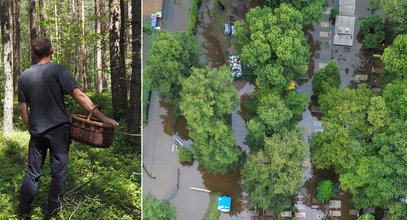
(325, 190)
(366, 216)
(334, 13)
(154, 209)
(185, 155)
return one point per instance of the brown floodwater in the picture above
(227, 184)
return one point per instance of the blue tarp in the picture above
(224, 203)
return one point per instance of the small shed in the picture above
(224, 203)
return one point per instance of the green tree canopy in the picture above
(154, 209)
(271, 176)
(273, 37)
(273, 113)
(214, 147)
(372, 29)
(325, 78)
(395, 95)
(170, 61)
(208, 98)
(395, 59)
(208, 94)
(311, 10)
(396, 13)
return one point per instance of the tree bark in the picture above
(7, 41)
(134, 120)
(105, 52)
(17, 43)
(118, 85)
(33, 27)
(42, 17)
(83, 54)
(98, 49)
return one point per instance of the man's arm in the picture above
(24, 114)
(87, 104)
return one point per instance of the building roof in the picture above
(347, 7)
(344, 30)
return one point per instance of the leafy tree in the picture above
(170, 61)
(214, 147)
(395, 96)
(347, 108)
(273, 37)
(395, 12)
(335, 146)
(366, 216)
(398, 211)
(154, 209)
(208, 98)
(208, 94)
(325, 190)
(325, 78)
(271, 176)
(185, 155)
(376, 114)
(379, 177)
(311, 10)
(271, 77)
(296, 103)
(273, 113)
(395, 59)
(256, 134)
(372, 29)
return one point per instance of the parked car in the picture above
(227, 29)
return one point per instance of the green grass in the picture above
(100, 185)
(193, 16)
(146, 104)
(212, 213)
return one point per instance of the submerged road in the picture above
(165, 177)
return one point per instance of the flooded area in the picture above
(168, 179)
(209, 32)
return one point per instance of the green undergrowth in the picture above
(193, 16)
(101, 184)
(212, 213)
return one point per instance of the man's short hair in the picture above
(41, 47)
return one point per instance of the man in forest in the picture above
(41, 90)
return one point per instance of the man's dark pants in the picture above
(57, 140)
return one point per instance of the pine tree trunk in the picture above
(99, 77)
(41, 3)
(83, 51)
(134, 121)
(7, 41)
(105, 52)
(118, 85)
(33, 28)
(17, 43)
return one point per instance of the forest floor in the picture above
(101, 184)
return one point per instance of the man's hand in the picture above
(111, 121)
(87, 104)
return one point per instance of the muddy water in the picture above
(216, 46)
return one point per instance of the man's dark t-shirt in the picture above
(42, 87)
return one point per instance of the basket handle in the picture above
(91, 111)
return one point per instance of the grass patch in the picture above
(193, 16)
(212, 213)
(146, 103)
(101, 183)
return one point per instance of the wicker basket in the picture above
(92, 132)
